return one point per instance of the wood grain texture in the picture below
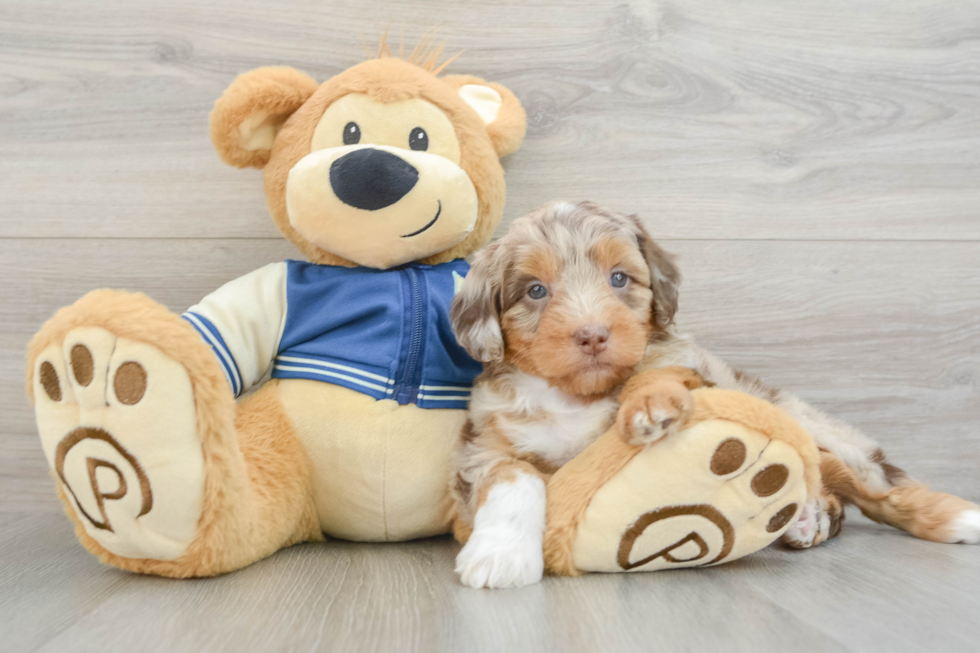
(796, 119)
(845, 596)
(814, 165)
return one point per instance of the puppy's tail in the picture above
(908, 505)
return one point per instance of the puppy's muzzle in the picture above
(372, 179)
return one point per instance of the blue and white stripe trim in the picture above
(443, 396)
(211, 335)
(345, 374)
(370, 382)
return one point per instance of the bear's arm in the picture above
(243, 322)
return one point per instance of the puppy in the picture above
(563, 310)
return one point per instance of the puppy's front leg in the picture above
(656, 403)
(505, 548)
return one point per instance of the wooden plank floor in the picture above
(871, 590)
(816, 165)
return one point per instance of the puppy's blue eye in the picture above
(352, 133)
(537, 291)
(618, 280)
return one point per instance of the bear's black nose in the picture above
(371, 179)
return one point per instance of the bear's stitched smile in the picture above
(431, 222)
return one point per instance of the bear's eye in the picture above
(537, 291)
(618, 279)
(418, 139)
(352, 133)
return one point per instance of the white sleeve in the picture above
(243, 322)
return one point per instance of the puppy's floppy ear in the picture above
(499, 109)
(475, 311)
(249, 114)
(665, 276)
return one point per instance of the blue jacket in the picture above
(384, 333)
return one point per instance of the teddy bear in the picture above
(384, 177)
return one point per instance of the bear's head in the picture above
(382, 165)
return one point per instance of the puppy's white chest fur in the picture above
(560, 426)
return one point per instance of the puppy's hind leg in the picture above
(821, 518)
(886, 491)
(856, 471)
(908, 505)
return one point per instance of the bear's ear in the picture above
(498, 107)
(248, 115)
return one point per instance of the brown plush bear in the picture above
(384, 177)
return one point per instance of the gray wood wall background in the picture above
(815, 164)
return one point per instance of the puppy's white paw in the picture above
(811, 528)
(650, 426)
(499, 559)
(505, 547)
(966, 527)
(654, 412)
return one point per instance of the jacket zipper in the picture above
(408, 391)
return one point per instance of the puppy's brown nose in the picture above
(592, 338)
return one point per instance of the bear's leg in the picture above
(154, 467)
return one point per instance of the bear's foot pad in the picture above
(117, 423)
(729, 483)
